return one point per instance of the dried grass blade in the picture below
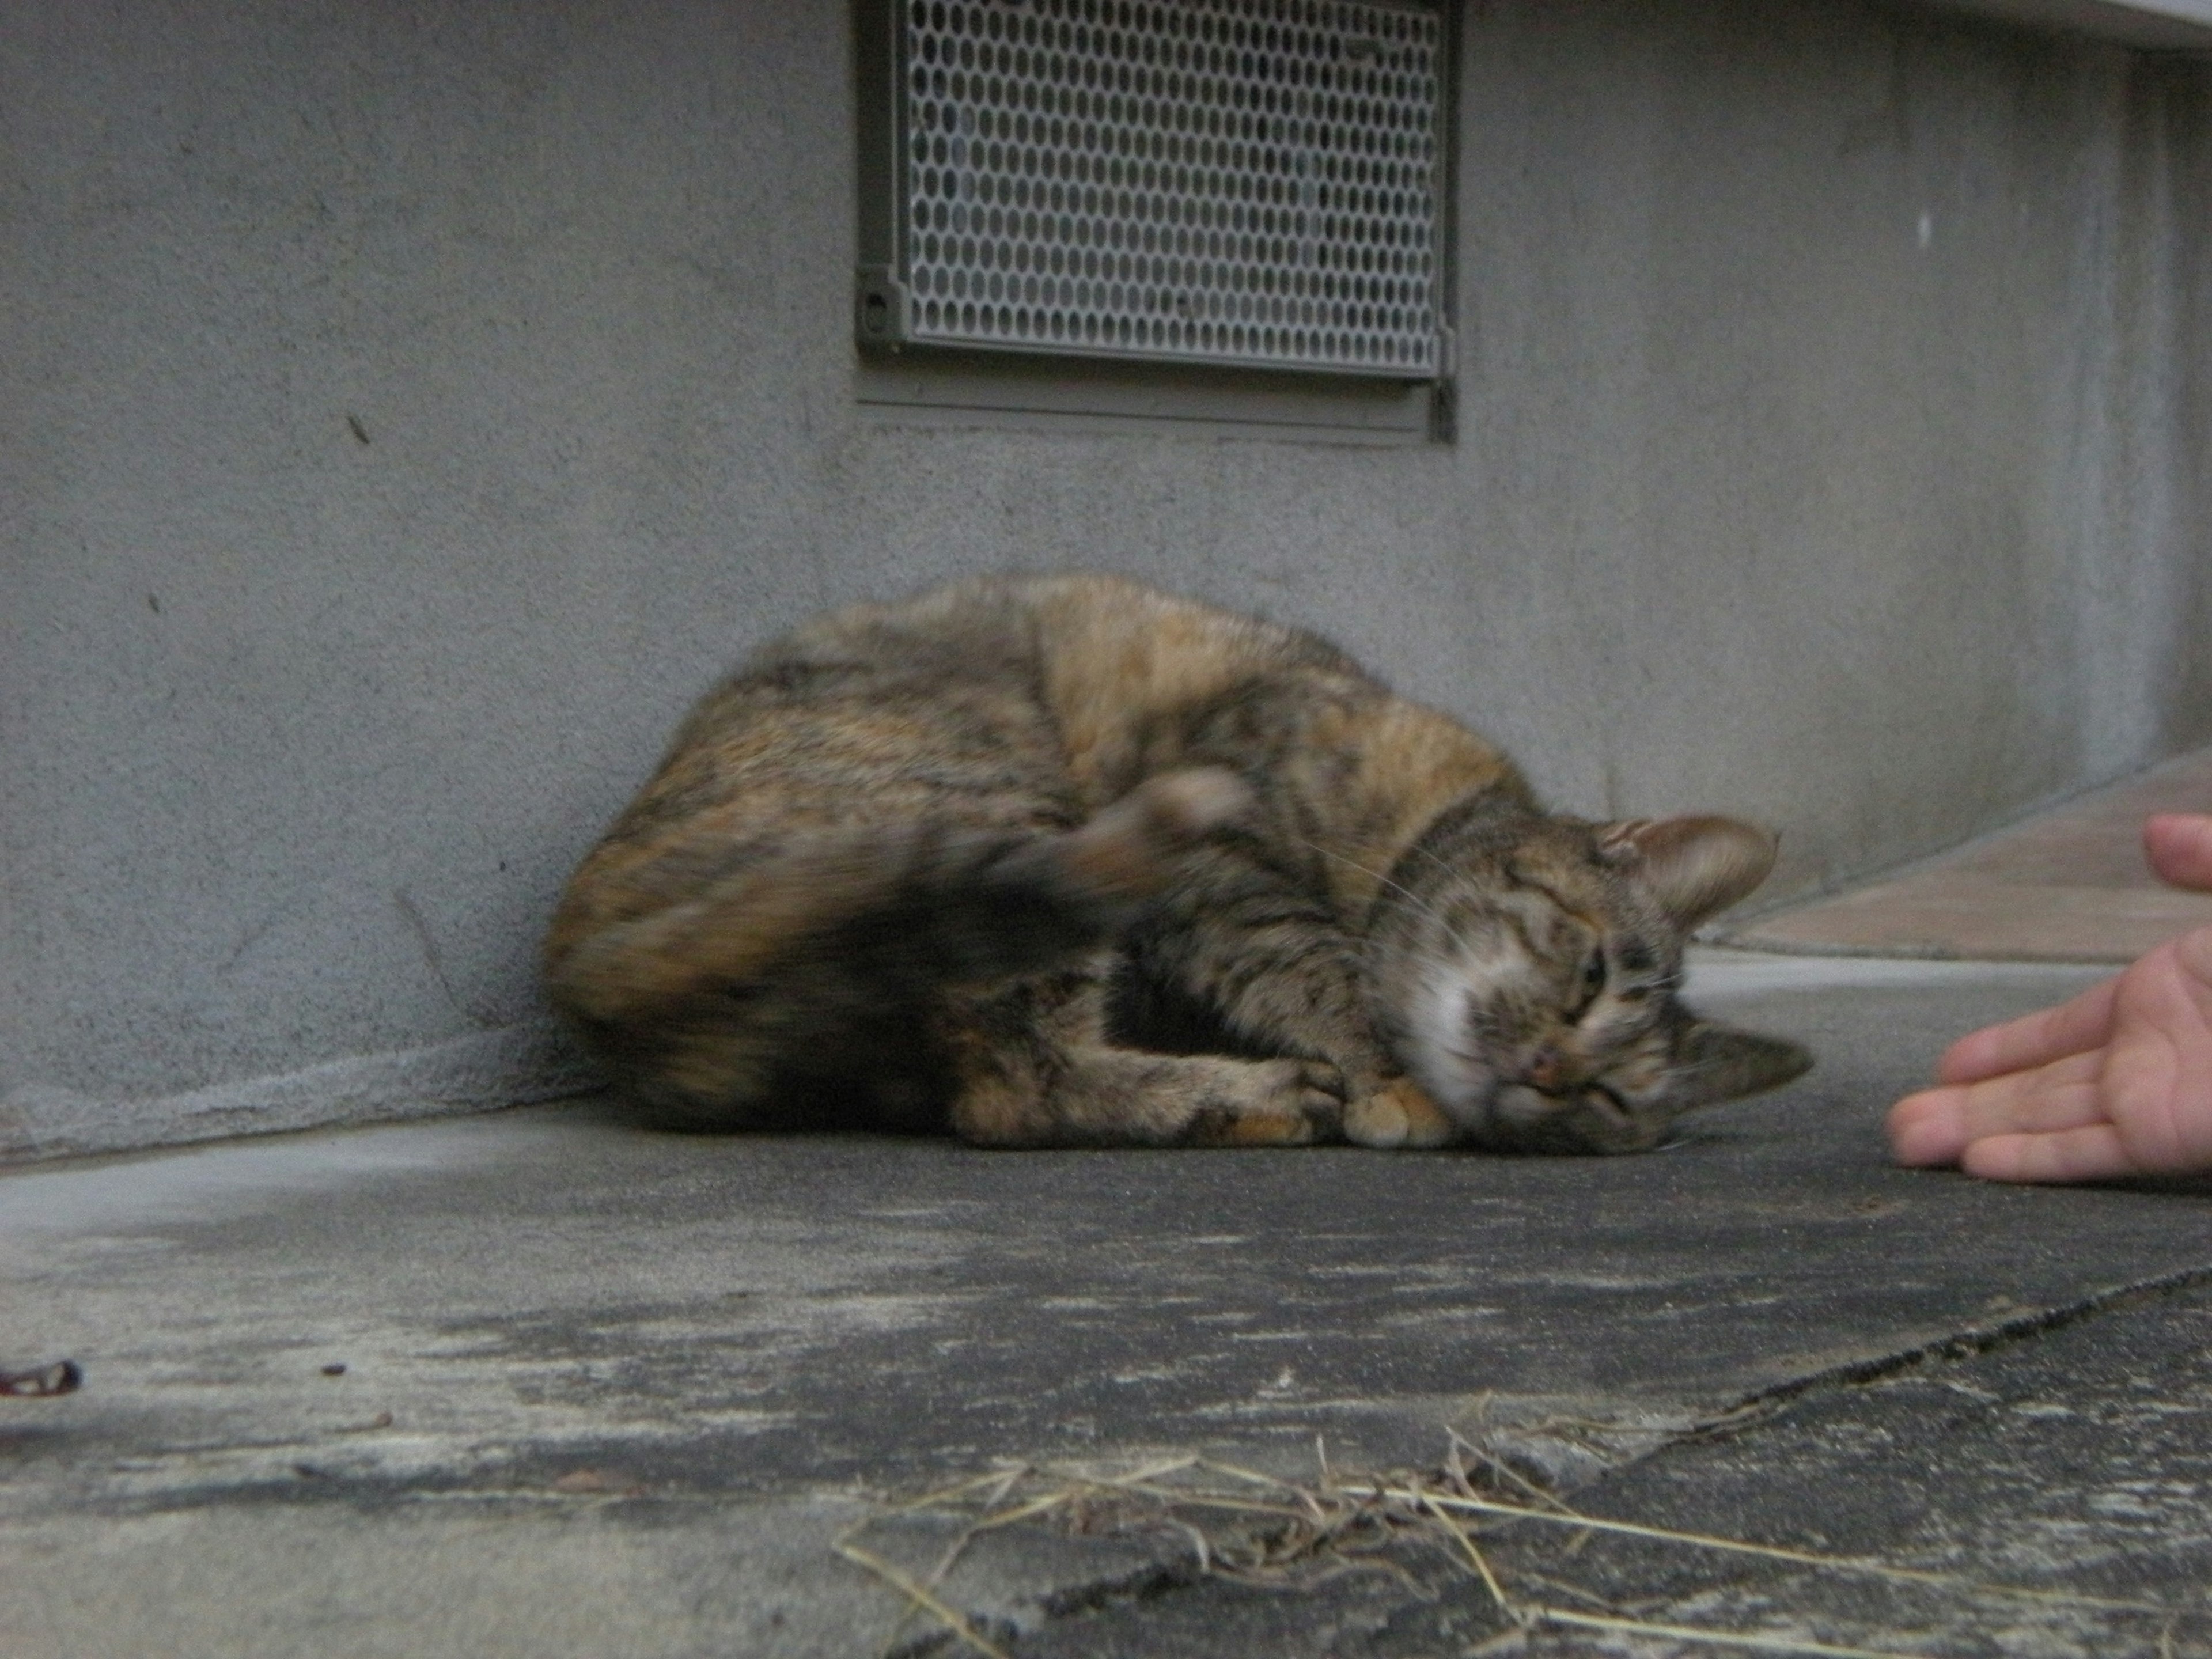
(1014, 1476)
(954, 1551)
(1088, 1474)
(1715, 1637)
(1778, 1553)
(1001, 1482)
(1202, 1500)
(1250, 1477)
(1198, 1543)
(1474, 1555)
(949, 1616)
(1508, 1472)
(1034, 1506)
(944, 1495)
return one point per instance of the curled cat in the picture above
(1067, 861)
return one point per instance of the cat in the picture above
(1069, 862)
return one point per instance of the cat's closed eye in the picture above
(1591, 984)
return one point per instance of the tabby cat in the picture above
(1066, 861)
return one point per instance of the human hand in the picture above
(2116, 1082)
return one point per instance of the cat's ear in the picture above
(1717, 1063)
(1694, 866)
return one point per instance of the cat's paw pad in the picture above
(1398, 1115)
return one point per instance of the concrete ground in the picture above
(543, 1383)
(2069, 885)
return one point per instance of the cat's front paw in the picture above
(1287, 1102)
(1397, 1115)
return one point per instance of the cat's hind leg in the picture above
(1032, 1067)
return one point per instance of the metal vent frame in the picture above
(1248, 184)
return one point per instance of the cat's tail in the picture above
(849, 923)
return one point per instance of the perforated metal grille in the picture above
(1252, 182)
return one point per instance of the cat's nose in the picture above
(1546, 1067)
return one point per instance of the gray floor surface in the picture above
(609, 1392)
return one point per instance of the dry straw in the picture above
(1264, 1530)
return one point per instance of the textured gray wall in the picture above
(406, 408)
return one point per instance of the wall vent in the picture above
(1247, 183)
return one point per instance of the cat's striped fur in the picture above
(1066, 861)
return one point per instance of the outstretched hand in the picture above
(2118, 1082)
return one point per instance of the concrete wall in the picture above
(405, 409)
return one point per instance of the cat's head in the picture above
(1526, 971)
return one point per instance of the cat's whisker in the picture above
(1431, 857)
(1411, 896)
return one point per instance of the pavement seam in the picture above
(1964, 1345)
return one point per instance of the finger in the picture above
(2093, 1152)
(1937, 1124)
(1929, 1130)
(2180, 848)
(2035, 1039)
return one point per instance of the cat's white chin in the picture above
(1460, 1083)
